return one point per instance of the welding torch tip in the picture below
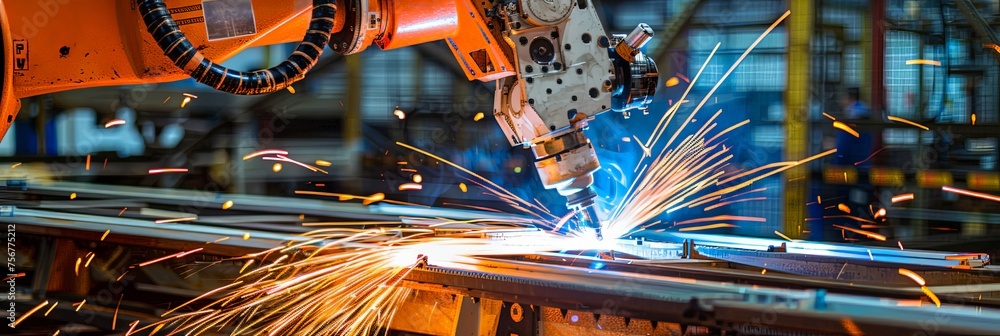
(589, 220)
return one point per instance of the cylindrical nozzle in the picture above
(567, 163)
(629, 45)
(590, 221)
(639, 36)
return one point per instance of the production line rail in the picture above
(657, 290)
(747, 309)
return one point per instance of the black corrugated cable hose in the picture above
(179, 49)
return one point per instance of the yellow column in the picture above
(800, 30)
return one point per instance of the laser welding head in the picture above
(568, 71)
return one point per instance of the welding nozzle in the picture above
(588, 220)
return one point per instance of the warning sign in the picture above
(229, 18)
(20, 55)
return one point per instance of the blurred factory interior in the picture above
(918, 81)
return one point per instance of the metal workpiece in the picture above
(735, 244)
(752, 310)
(622, 294)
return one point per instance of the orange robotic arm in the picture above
(554, 64)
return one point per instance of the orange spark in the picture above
(51, 308)
(399, 114)
(247, 264)
(707, 227)
(902, 198)
(15, 165)
(176, 220)
(374, 198)
(971, 193)
(303, 165)
(843, 127)
(410, 186)
(843, 207)
(107, 232)
(993, 46)
(13, 276)
(202, 296)
(79, 305)
(900, 244)
(829, 116)
(131, 326)
(479, 116)
(113, 123)
(722, 218)
(463, 187)
(851, 217)
(88, 163)
(417, 178)
(172, 256)
(869, 234)
(264, 152)
(931, 295)
(76, 269)
(323, 163)
(881, 213)
(901, 120)
(923, 62)
(673, 81)
(167, 170)
(870, 156)
(913, 275)
(228, 205)
(291, 89)
(89, 259)
(114, 320)
(782, 235)
(682, 77)
(30, 312)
